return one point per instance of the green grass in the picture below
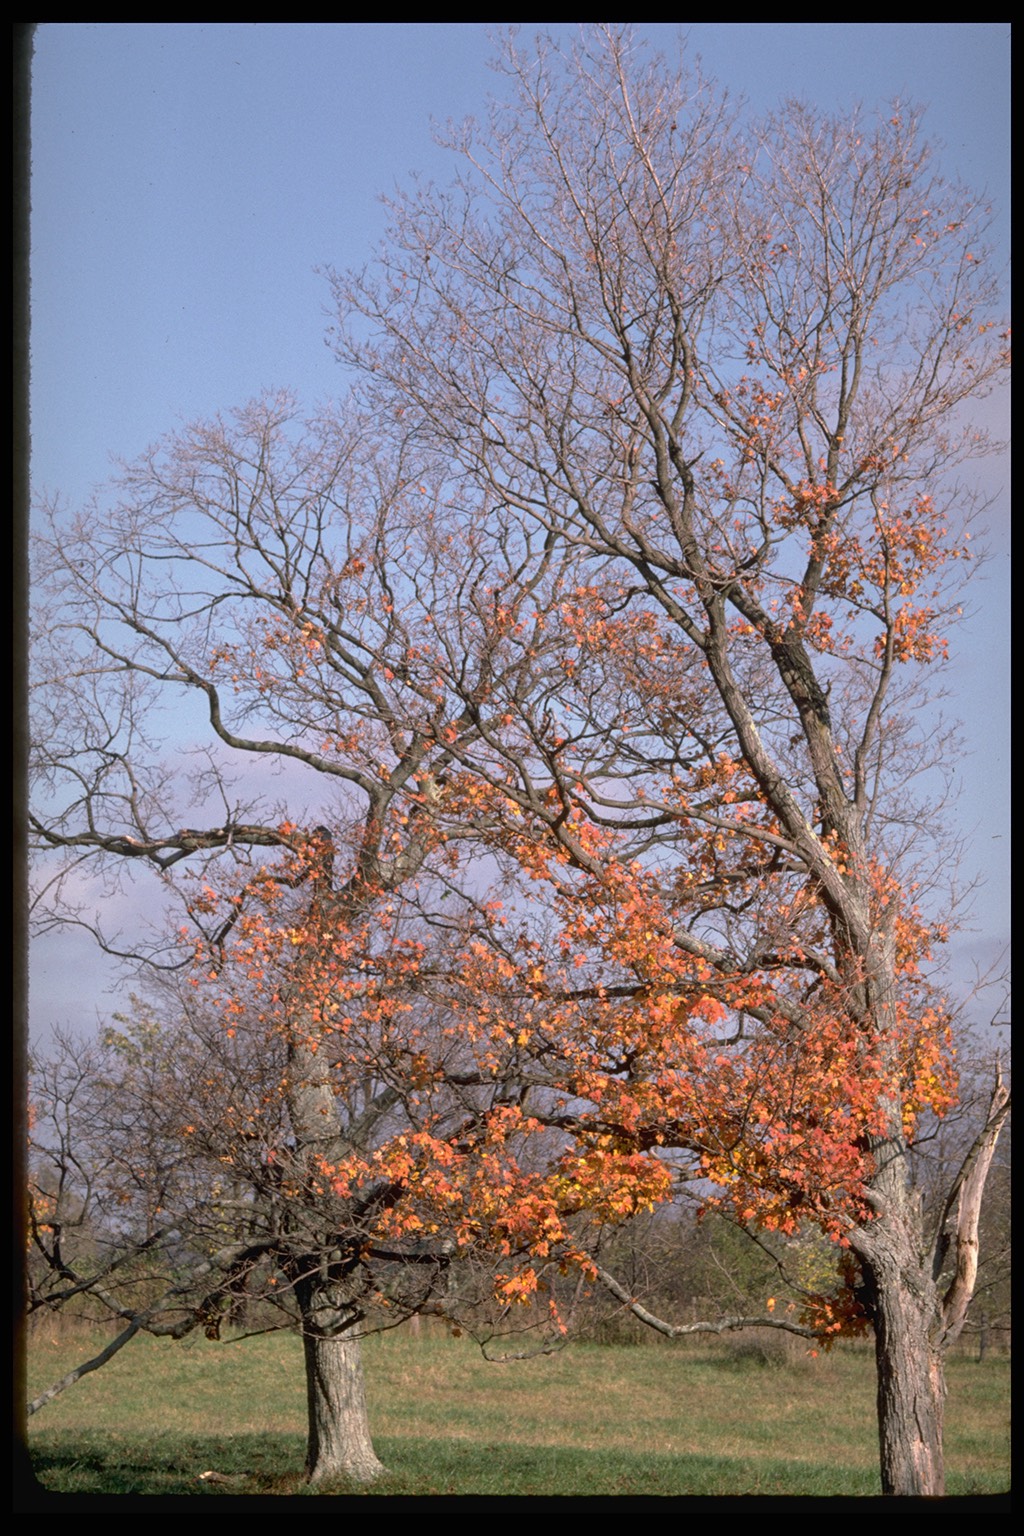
(590, 1420)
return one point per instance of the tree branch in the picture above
(965, 1198)
(682, 1330)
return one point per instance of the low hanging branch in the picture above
(679, 1330)
(142, 1322)
(90, 1284)
(113, 1348)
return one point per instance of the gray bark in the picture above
(911, 1387)
(338, 1441)
(914, 1321)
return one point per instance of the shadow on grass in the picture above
(74, 1462)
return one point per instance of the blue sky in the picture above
(189, 179)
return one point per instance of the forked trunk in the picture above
(919, 1295)
(339, 1443)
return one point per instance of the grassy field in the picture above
(615, 1421)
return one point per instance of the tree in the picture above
(284, 574)
(166, 1194)
(251, 566)
(731, 372)
(613, 575)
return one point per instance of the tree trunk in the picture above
(339, 1443)
(911, 1387)
(900, 1285)
(901, 1298)
(914, 1324)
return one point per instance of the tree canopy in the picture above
(590, 638)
